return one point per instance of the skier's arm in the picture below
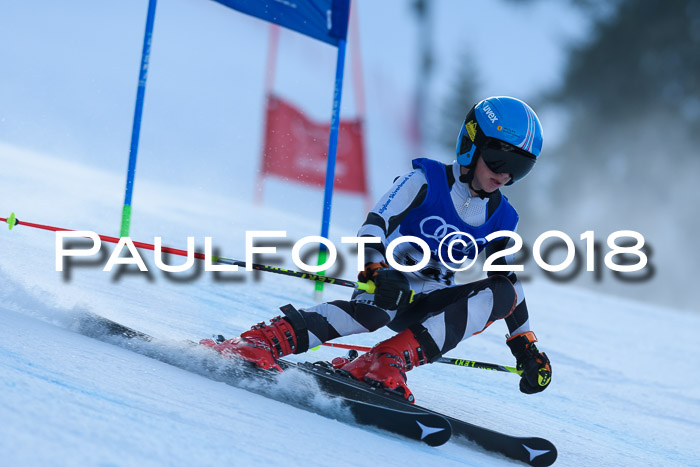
(407, 192)
(536, 368)
(519, 321)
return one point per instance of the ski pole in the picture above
(479, 365)
(366, 286)
(449, 361)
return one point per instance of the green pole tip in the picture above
(11, 221)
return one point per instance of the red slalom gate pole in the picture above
(359, 348)
(366, 286)
(13, 221)
(449, 361)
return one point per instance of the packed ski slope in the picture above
(624, 392)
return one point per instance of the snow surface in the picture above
(624, 390)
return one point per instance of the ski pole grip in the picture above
(368, 286)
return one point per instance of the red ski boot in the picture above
(262, 345)
(387, 363)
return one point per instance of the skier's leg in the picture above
(328, 321)
(387, 363)
(466, 310)
(300, 330)
(264, 344)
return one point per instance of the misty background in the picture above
(614, 83)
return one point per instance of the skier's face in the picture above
(486, 179)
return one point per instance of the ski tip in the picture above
(11, 221)
(541, 453)
(434, 432)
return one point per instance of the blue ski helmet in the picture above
(505, 132)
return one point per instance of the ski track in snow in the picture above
(624, 391)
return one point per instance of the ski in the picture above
(375, 406)
(530, 450)
(430, 428)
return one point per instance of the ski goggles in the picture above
(501, 157)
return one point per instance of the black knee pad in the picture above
(504, 296)
(426, 341)
(296, 320)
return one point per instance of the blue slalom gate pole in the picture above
(136, 129)
(332, 151)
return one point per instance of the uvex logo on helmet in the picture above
(490, 113)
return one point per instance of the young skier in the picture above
(498, 144)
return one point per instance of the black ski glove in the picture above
(370, 271)
(392, 289)
(537, 371)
